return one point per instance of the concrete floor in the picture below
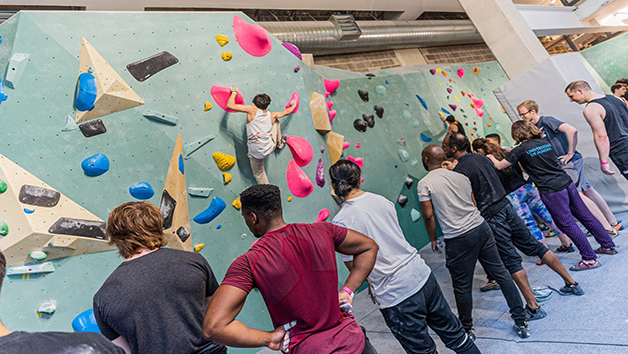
(596, 323)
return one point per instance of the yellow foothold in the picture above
(289, 199)
(226, 56)
(225, 162)
(199, 247)
(237, 204)
(222, 40)
(437, 70)
(226, 178)
(440, 84)
(208, 106)
(457, 100)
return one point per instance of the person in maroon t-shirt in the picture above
(294, 267)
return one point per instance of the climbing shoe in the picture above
(471, 334)
(610, 251)
(571, 289)
(491, 285)
(567, 249)
(523, 330)
(535, 314)
(582, 265)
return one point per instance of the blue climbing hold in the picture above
(85, 322)
(181, 165)
(87, 92)
(95, 165)
(422, 101)
(218, 227)
(445, 111)
(29, 211)
(141, 191)
(215, 208)
(3, 97)
(407, 104)
(425, 138)
(387, 83)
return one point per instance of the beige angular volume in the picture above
(113, 93)
(174, 202)
(334, 144)
(39, 218)
(318, 107)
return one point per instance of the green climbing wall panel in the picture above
(609, 59)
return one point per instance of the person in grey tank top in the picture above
(608, 117)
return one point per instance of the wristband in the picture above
(604, 163)
(348, 291)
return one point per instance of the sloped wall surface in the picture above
(609, 59)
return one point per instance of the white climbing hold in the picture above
(415, 215)
(38, 255)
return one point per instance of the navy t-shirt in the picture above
(487, 187)
(57, 343)
(538, 158)
(549, 125)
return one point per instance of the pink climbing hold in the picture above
(478, 102)
(301, 149)
(298, 182)
(346, 145)
(297, 68)
(294, 97)
(357, 160)
(461, 73)
(361, 180)
(479, 112)
(332, 115)
(453, 107)
(357, 145)
(327, 94)
(322, 149)
(331, 85)
(449, 90)
(329, 104)
(253, 39)
(323, 215)
(293, 49)
(320, 173)
(221, 95)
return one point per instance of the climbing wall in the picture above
(40, 66)
(609, 59)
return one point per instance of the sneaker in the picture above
(571, 289)
(610, 251)
(491, 285)
(471, 334)
(582, 265)
(535, 314)
(566, 249)
(523, 330)
(613, 233)
(282, 142)
(539, 262)
(618, 226)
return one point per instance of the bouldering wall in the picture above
(609, 59)
(174, 134)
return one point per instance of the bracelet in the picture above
(348, 291)
(604, 163)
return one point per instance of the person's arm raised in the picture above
(276, 115)
(594, 114)
(232, 105)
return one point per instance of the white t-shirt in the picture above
(450, 193)
(258, 135)
(399, 271)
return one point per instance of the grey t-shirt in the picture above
(57, 343)
(157, 303)
(450, 193)
(399, 271)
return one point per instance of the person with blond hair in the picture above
(155, 301)
(559, 194)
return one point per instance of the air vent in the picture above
(348, 29)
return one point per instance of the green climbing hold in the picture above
(3, 186)
(381, 90)
(4, 228)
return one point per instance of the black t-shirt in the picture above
(487, 187)
(512, 179)
(157, 303)
(57, 343)
(541, 163)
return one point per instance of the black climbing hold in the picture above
(360, 125)
(408, 182)
(166, 207)
(79, 227)
(183, 234)
(93, 128)
(370, 75)
(370, 120)
(147, 67)
(379, 110)
(363, 95)
(39, 196)
(402, 200)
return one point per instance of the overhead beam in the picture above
(559, 20)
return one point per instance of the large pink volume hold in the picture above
(298, 182)
(221, 97)
(253, 39)
(331, 85)
(294, 97)
(301, 149)
(323, 215)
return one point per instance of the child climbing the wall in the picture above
(263, 131)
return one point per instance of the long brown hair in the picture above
(522, 130)
(489, 148)
(135, 225)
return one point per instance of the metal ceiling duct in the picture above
(319, 37)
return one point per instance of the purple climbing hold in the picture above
(433, 71)
(453, 107)
(320, 173)
(293, 49)
(297, 68)
(322, 148)
(449, 90)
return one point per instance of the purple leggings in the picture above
(567, 204)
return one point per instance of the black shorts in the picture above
(511, 234)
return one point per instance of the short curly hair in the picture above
(136, 225)
(263, 200)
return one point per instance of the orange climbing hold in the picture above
(490, 118)
(489, 125)
(444, 73)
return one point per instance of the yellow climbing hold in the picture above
(437, 70)
(237, 204)
(289, 199)
(503, 110)
(222, 40)
(440, 84)
(226, 177)
(457, 100)
(225, 162)
(226, 56)
(199, 247)
(208, 106)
